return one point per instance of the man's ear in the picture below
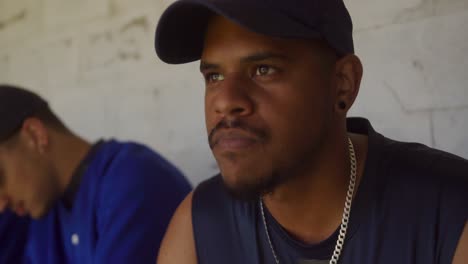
(348, 75)
(36, 134)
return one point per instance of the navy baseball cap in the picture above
(182, 26)
(16, 104)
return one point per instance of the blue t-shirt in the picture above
(124, 201)
(410, 208)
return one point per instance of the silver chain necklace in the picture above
(346, 211)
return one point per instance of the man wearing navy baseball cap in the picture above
(108, 202)
(299, 181)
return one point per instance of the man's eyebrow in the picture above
(261, 56)
(204, 66)
(256, 57)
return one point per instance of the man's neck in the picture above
(71, 150)
(310, 206)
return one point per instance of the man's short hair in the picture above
(18, 104)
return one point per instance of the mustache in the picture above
(237, 124)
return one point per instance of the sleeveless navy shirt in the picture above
(410, 207)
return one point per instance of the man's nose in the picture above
(232, 98)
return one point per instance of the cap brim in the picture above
(181, 28)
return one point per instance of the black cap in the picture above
(16, 104)
(181, 28)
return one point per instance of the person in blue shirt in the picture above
(300, 182)
(108, 202)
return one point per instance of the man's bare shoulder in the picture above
(178, 245)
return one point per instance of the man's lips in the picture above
(233, 139)
(17, 207)
(21, 211)
(235, 134)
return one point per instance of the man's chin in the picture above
(243, 193)
(252, 188)
(36, 215)
(39, 213)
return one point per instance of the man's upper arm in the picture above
(461, 253)
(178, 245)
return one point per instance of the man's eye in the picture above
(214, 77)
(264, 70)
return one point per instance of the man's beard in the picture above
(253, 190)
(253, 187)
(246, 190)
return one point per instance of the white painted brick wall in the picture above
(422, 62)
(3, 67)
(59, 14)
(94, 61)
(455, 138)
(378, 13)
(19, 21)
(443, 7)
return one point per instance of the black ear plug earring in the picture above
(342, 105)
